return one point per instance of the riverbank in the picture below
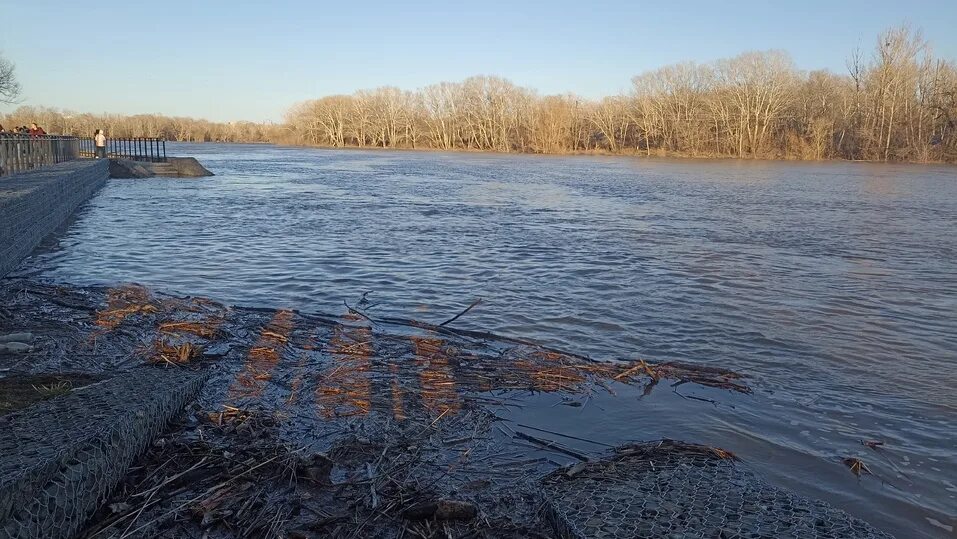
(637, 153)
(310, 425)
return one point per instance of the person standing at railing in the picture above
(36, 130)
(3, 150)
(99, 139)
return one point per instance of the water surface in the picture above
(834, 285)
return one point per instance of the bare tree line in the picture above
(897, 103)
(61, 122)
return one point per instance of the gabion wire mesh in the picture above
(60, 458)
(673, 489)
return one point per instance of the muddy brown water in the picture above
(834, 285)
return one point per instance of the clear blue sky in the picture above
(232, 60)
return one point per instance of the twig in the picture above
(467, 309)
(210, 490)
(153, 490)
(476, 335)
(552, 445)
(562, 435)
(358, 312)
(713, 402)
(371, 473)
(136, 517)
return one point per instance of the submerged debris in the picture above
(857, 466)
(315, 425)
(873, 444)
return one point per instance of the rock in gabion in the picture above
(674, 489)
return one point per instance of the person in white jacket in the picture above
(99, 139)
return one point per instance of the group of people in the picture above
(33, 131)
(99, 137)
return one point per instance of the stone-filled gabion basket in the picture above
(60, 458)
(675, 489)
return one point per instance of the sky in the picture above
(252, 60)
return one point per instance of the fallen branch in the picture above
(554, 446)
(467, 309)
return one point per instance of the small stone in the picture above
(23, 337)
(119, 507)
(15, 347)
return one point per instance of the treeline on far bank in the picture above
(898, 102)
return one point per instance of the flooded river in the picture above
(833, 285)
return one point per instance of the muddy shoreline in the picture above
(344, 425)
(368, 419)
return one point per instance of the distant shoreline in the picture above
(677, 156)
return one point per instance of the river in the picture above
(833, 285)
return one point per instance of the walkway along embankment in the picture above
(34, 204)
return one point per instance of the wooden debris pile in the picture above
(229, 474)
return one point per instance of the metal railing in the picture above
(134, 149)
(25, 152)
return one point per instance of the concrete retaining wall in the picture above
(33, 204)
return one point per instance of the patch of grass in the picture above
(54, 389)
(21, 391)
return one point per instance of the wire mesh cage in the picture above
(675, 489)
(60, 458)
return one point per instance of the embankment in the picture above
(173, 167)
(33, 204)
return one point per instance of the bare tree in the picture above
(553, 124)
(610, 118)
(9, 87)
